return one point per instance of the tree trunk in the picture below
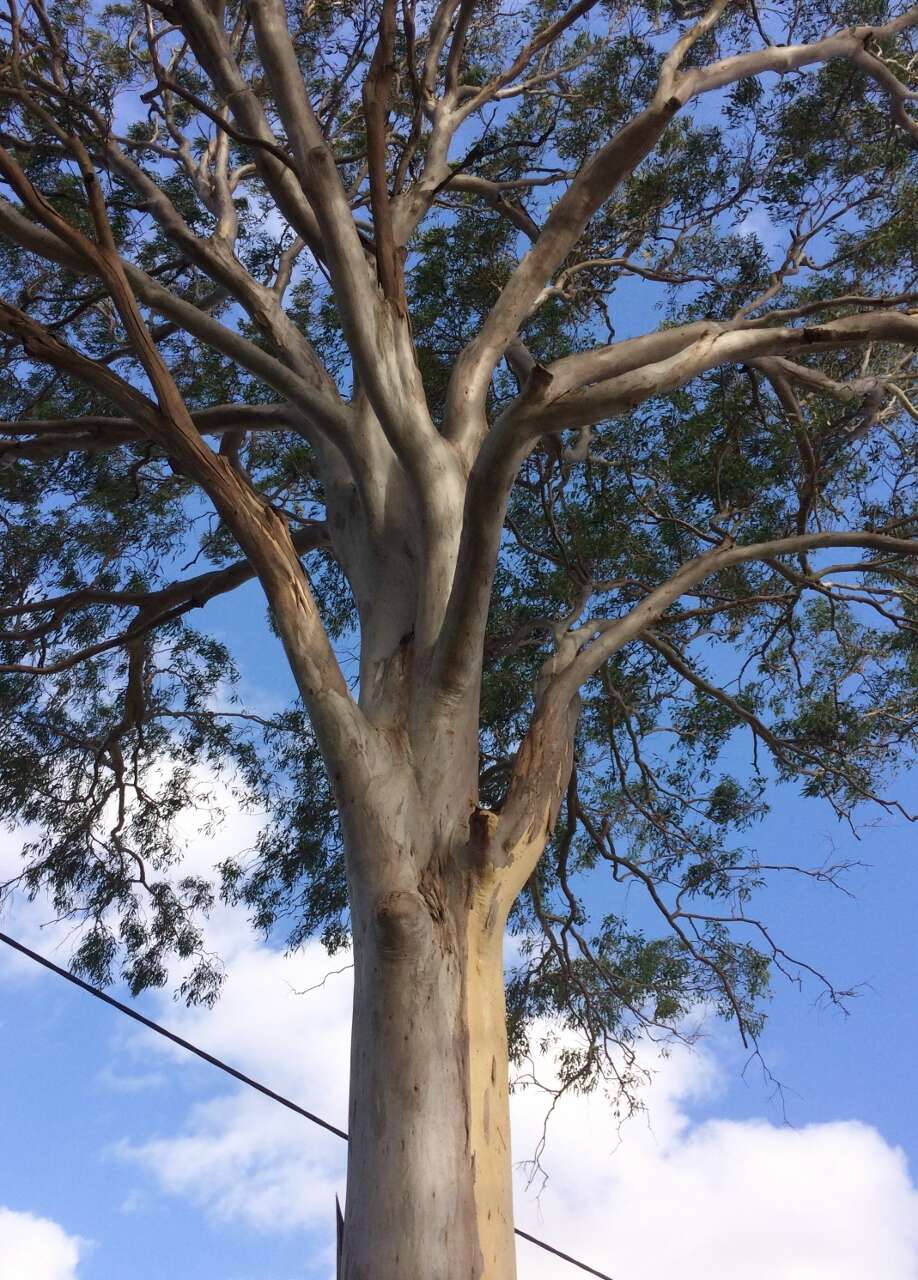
(429, 1192)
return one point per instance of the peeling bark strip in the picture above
(350, 132)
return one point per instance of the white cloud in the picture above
(33, 1248)
(719, 1198)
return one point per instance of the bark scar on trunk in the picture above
(404, 925)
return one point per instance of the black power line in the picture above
(550, 1248)
(170, 1035)
(239, 1075)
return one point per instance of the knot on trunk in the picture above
(403, 924)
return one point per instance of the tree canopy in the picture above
(648, 270)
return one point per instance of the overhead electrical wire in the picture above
(240, 1075)
(170, 1035)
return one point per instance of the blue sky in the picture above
(119, 1150)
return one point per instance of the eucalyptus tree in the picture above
(560, 360)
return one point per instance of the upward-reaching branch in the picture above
(320, 414)
(261, 533)
(622, 376)
(376, 89)
(602, 174)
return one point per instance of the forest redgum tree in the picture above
(353, 299)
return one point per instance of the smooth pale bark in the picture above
(429, 1174)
